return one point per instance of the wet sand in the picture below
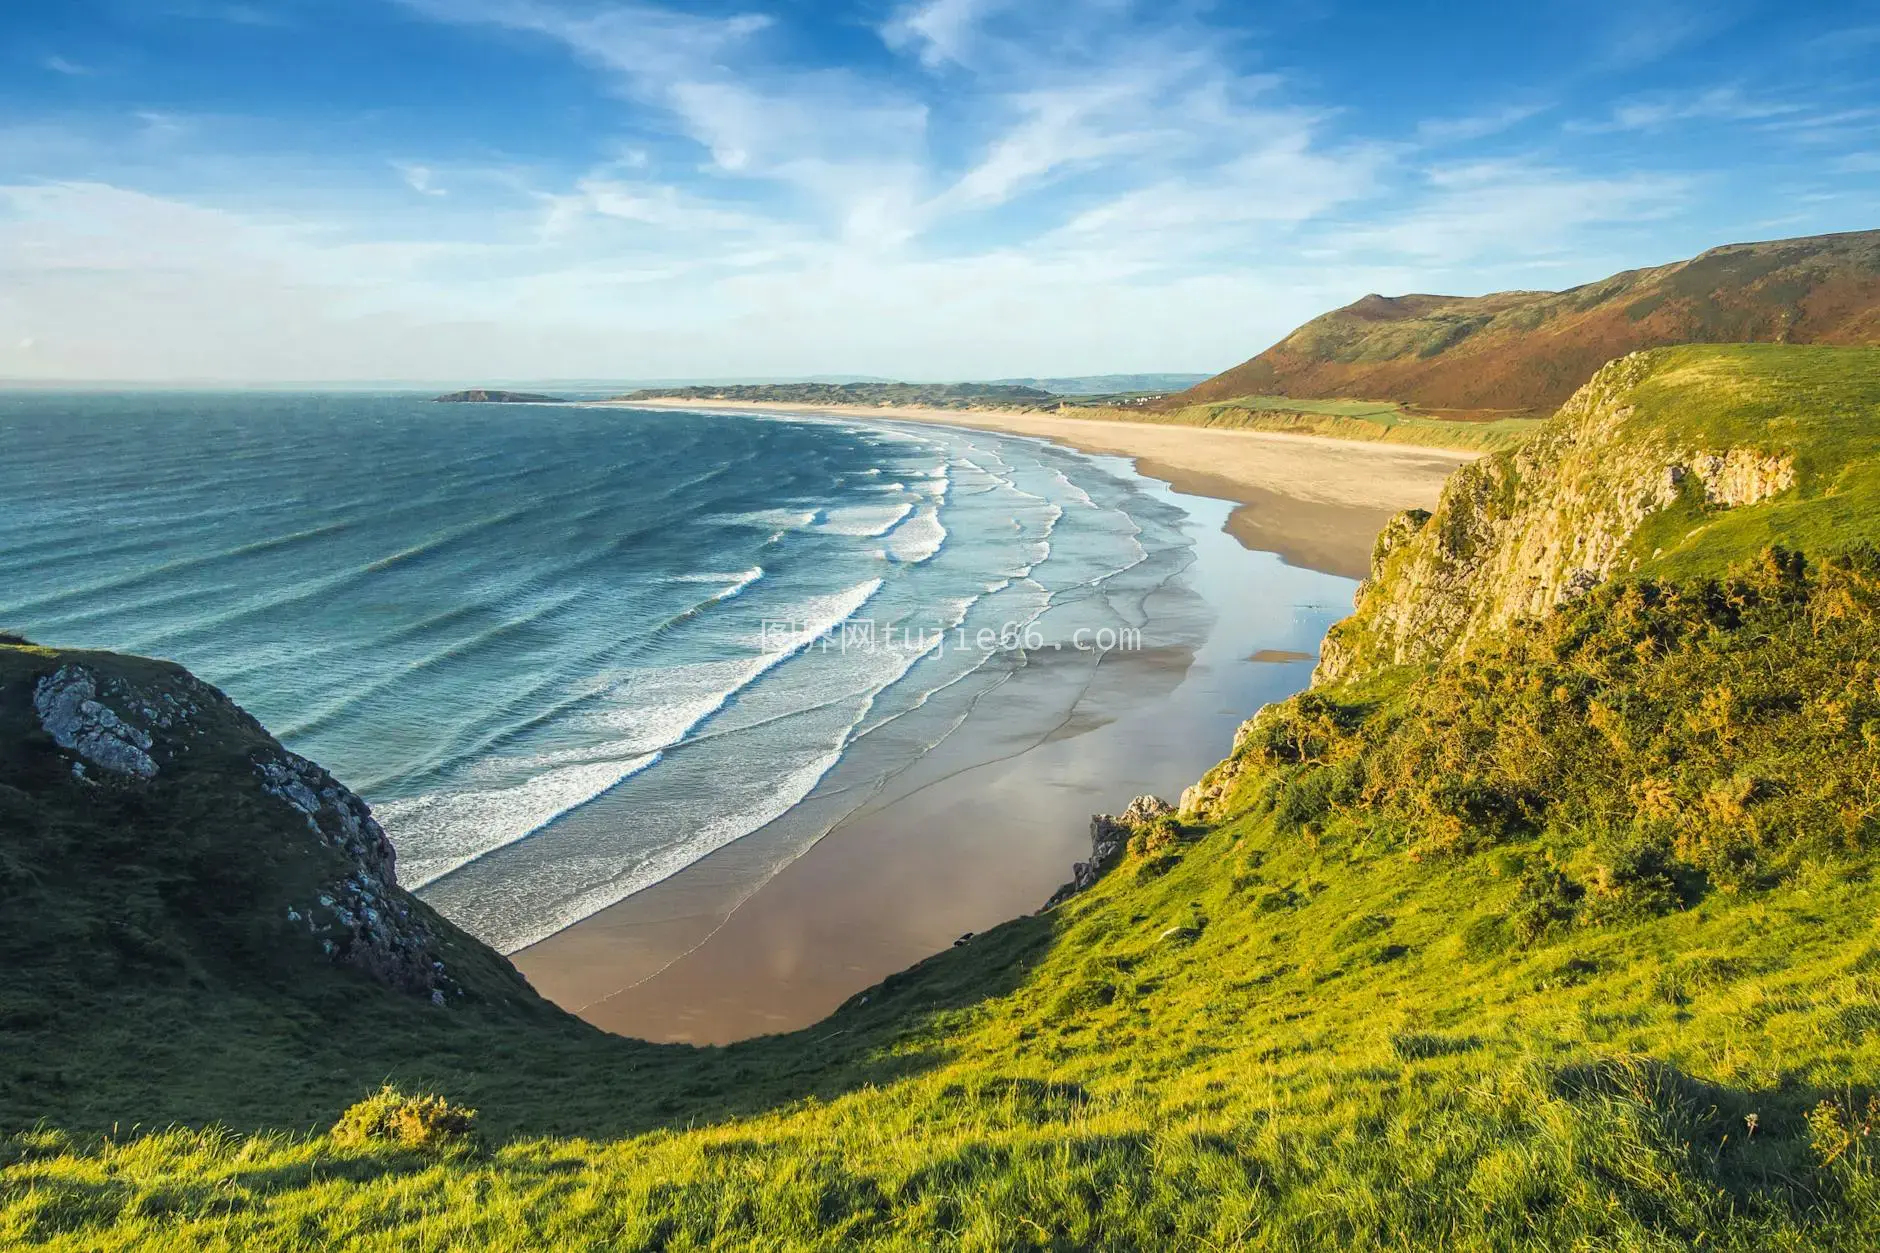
(751, 940)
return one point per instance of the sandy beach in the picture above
(1317, 502)
(749, 940)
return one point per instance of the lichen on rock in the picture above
(67, 702)
(362, 920)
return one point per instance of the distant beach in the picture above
(1317, 502)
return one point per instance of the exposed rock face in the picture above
(1522, 532)
(134, 731)
(1201, 798)
(1108, 834)
(1144, 809)
(359, 920)
(70, 709)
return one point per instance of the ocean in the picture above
(565, 651)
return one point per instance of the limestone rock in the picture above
(360, 920)
(1144, 808)
(71, 712)
(1521, 533)
(1108, 834)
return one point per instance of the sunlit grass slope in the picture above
(1369, 421)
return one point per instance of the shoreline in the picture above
(1318, 502)
(745, 942)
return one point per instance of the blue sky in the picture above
(532, 189)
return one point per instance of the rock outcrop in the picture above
(359, 919)
(1522, 532)
(138, 728)
(1109, 833)
(106, 722)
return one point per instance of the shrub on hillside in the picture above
(1660, 739)
(391, 1117)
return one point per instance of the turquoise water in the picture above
(564, 651)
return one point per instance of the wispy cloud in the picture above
(420, 178)
(71, 69)
(1462, 130)
(1515, 210)
(831, 137)
(1716, 104)
(1644, 31)
(986, 187)
(939, 31)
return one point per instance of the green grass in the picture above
(1820, 406)
(1366, 1003)
(1375, 421)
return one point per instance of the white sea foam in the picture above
(865, 520)
(788, 519)
(733, 583)
(918, 538)
(1076, 493)
(442, 831)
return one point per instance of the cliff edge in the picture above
(1653, 466)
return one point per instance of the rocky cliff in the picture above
(141, 798)
(1517, 534)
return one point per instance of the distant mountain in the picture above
(485, 396)
(1106, 384)
(1525, 352)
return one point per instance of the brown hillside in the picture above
(1526, 352)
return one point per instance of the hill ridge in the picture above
(1522, 352)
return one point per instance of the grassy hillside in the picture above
(1563, 939)
(1646, 470)
(1524, 353)
(1381, 422)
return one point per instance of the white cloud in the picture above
(1717, 104)
(1458, 130)
(420, 178)
(1069, 190)
(849, 147)
(1514, 210)
(72, 69)
(939, 31)
(1644, 31)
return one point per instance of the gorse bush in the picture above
(393, 1118)
(1660, 741)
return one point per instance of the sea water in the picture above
(566, 650)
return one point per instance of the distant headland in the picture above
(877, 395)
(486, 396)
